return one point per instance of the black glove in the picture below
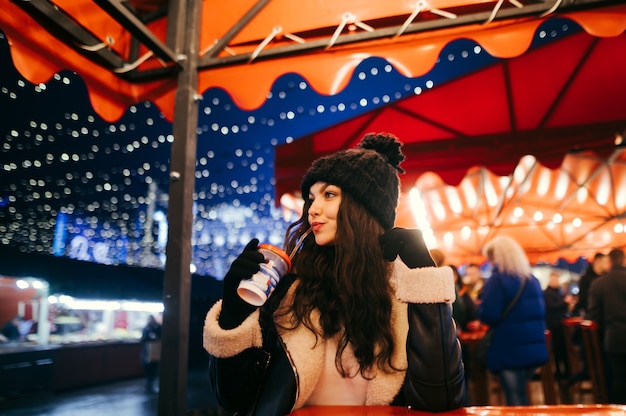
(408, 244)
(234, 309)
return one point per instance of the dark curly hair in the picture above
(348, 283)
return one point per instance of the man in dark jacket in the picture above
(606, 306)
(599, 265)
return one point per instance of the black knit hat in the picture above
(369, 173)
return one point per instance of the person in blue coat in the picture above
(518, 346)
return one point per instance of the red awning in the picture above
(566, 96)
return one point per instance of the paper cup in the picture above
(260, 286)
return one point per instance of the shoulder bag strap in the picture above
(514, 300)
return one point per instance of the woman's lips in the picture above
(316, 226)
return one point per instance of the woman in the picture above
(353, 325)
(518, 346)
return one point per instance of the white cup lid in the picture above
(251, 293)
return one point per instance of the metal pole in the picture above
(183, 37)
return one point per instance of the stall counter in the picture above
(25, 368)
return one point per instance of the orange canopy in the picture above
(244, 54)
(571, 211)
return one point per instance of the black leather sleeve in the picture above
(435, 380)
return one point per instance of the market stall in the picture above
(65, 342)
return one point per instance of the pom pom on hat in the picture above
(369, 173)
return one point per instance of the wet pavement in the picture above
(121, 398)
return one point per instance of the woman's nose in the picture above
(314, 209)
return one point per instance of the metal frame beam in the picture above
(539, 9)
(64, 27)
(131, 22)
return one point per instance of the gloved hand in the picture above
(234, 309)
(408, 244)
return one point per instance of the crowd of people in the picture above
(517, 345)
(598, 295)
(368, 315)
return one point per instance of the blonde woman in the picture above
(518, 345)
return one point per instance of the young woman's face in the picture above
(325, 201)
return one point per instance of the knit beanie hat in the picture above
(369, 173)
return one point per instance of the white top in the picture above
(331, 388)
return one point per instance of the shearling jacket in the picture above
(426, 349)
